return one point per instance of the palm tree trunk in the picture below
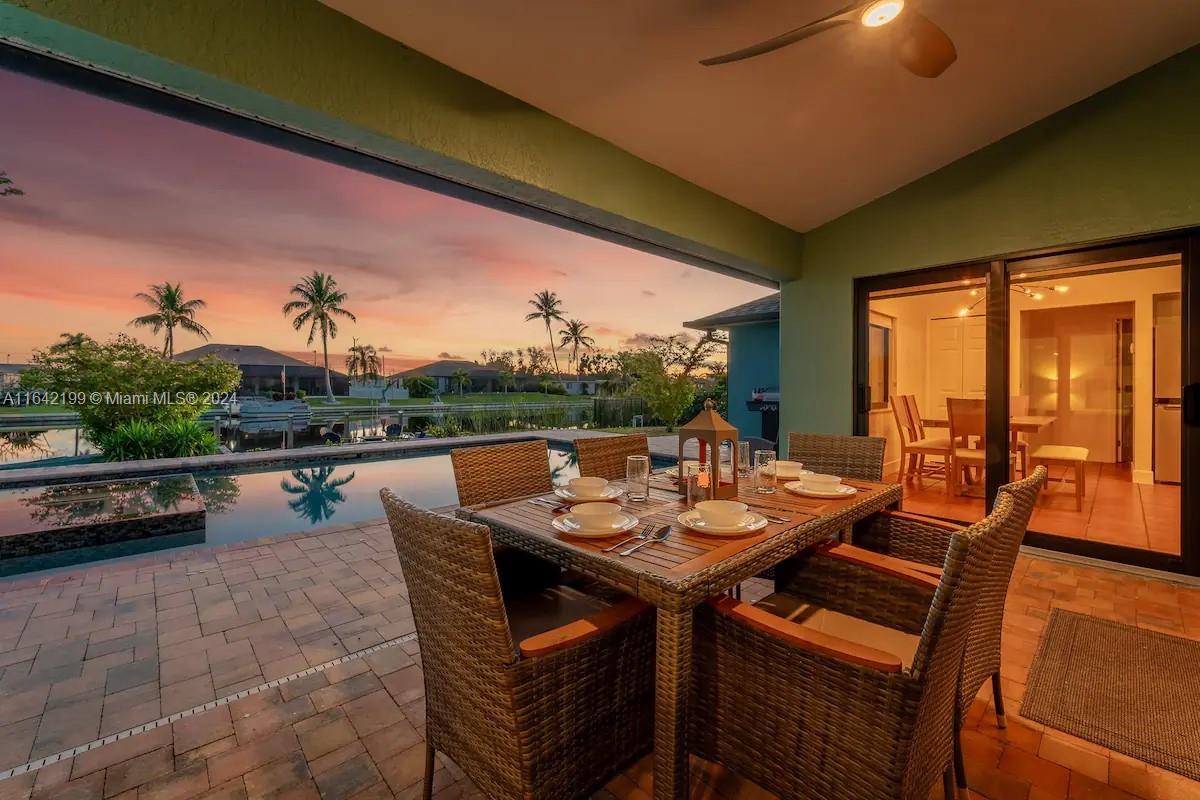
(553, 352)
(328, 384)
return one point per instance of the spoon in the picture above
(659, 535)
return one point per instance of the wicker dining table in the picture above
(680, 573)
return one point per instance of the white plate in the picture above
(790, 469)
(610, 493)
(693, 521)
(568, 523)
(795, 487)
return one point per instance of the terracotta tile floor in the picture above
(94, 650)
(1115, 509)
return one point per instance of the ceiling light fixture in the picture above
(881, 12)
(1031, 291)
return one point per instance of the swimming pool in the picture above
(277, 500)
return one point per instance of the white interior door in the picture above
(974, 364)
(944, 372)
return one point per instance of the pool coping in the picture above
(17, 478)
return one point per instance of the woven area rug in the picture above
(1133, 691)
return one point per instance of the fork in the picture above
(642, 534)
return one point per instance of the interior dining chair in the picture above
(1018, 406)
(546, 693)
(605, 457)
(810, 701)
(858, 457)
(914, 445)
(968, 424)
(500, 471)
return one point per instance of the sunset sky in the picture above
(118, 198)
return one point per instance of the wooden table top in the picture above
(1022, 423)
(688, 566)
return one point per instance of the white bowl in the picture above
(588, 487)
(788, 469)
(821, 483)
(596, 516)
(722, 513)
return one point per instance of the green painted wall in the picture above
(300, 63)
(1124, 161)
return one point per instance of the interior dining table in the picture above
(1017, 424)
(681, 572)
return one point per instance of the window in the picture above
(880, 370)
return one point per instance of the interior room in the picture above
(1093, 367)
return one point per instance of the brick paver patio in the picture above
(90, 652)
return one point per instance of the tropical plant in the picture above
(68, 341)
(419, 386)
(320, 302)
(667, 396)
(688, 354)
(7, 187)
(171, 311)
(575, 336)
(363, 361)
(548, 309)
(317, 492)
(460, 379)
(506, 379)
(122, 380)
(137, 439)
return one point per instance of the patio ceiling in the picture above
(805, 134)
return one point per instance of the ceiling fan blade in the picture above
(921, 46)
(840, 17)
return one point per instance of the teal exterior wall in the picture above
(303, 65)
(1124, 161)
(753, 364)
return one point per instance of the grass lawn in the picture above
(653, 430)
(34, 409)
(453, 399)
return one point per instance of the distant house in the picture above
(753, 363)
(264, 370)
(487, 379)
(10, 375)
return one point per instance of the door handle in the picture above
(1191, 404)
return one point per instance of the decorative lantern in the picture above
(710, 431)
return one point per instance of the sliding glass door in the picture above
(1079, 360)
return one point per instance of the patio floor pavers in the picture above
(95, 649)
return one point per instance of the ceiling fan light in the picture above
(881, 12)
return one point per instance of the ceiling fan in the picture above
(921, 46)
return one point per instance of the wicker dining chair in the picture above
(783, 698)
(605, 457)
(858, 457)
(542, 694)
(896, 545)
(499, 471)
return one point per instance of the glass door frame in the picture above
(1185, 243)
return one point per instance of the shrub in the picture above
(137, 439)
(667, 396)
(123, 380)
(419, 386)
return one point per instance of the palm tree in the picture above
(548, 310)
(575, 336)
(506, 379)
(460, 378)
(317, 492)
(171, 311)
(363, 361)
(69, 341)
(7, 187)
(320, 301)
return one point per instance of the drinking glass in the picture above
(637, 478)
(764, 471)
(745, 465)
(696, 479)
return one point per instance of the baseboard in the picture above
(1142, 475)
